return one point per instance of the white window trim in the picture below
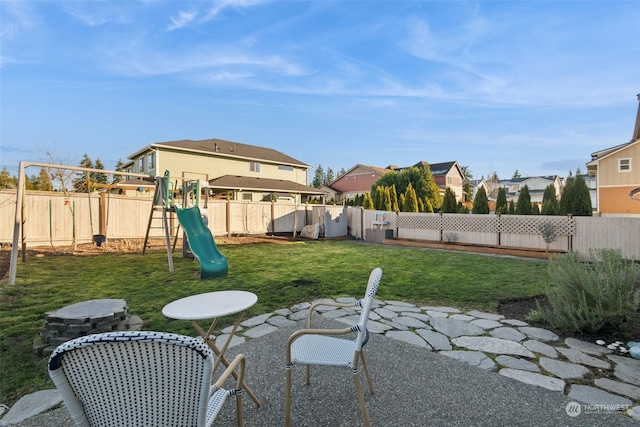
(630, 162)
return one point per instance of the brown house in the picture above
(360, 178)
(617, 172)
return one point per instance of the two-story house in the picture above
(617, 172)
(361, 178)
(227, 169)
(535, 184)
(356, 181)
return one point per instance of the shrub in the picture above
(548, 231)
(591, 296)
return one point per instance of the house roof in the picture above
(224, 148)
(227, 182)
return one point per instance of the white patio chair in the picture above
(321, 346)
(141, 379)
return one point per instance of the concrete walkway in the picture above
(430, 366)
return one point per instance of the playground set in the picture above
(198, 240)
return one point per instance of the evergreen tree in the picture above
(575, 198)
(481, 202)
(410, 200)
(523, 207)
(501, 201)
(467, 186)
(420, 179)
(330, 177)
(394, 198)
(82, 181)
(44, 181)
(6, 181)
(318, 177)
(535, 210)
(428, 208)
(512, 208)
(118, 178)
(549, 201)
(99, 177)
(421, 206)
(449, 204)
(462, 208)
(367, 202)
(386, 200)
(516, 174)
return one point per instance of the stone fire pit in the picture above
(85, 318)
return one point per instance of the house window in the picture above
(247, 197)
(283, 168)
(254, 166)
(141, 164)
(151, 161)
(624, 165)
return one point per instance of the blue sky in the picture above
(533, 86)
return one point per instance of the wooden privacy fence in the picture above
(53, 218)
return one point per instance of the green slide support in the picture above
(212, 263)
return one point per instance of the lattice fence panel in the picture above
(529, 224)
(419, 221)
(480, 223)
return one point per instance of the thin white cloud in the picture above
(221, 5)
(183, 19)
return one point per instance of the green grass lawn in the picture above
(280, 274)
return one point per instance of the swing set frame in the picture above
(20, 214)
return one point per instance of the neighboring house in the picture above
(228, 169)
(447, 175)
(356, 181)
(360, 178)
(536, 185)
(617, 172)
(482, 183)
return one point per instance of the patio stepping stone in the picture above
(493, 345)
(257, 320)
(409, 337)
(533, 378)
(618, 387)
(486, 323)
(576, 356)
(441, 309)
(596, 396)
(627, 369)
(517, 363)
(564, 370)
(587, 347)
(463, 317)
(437, 340)
(483, 315)
(542, 348)
(514, 322)
(387, 314)
(507, 333)
(539, 333)
(411, 322)
(454, 328)
(473, 358)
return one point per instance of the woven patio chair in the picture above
(141, 379)
(322, 347)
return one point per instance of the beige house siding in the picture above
(614, 184)
(185, 165)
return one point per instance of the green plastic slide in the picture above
(212, 263)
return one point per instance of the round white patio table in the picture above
(213, 305)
